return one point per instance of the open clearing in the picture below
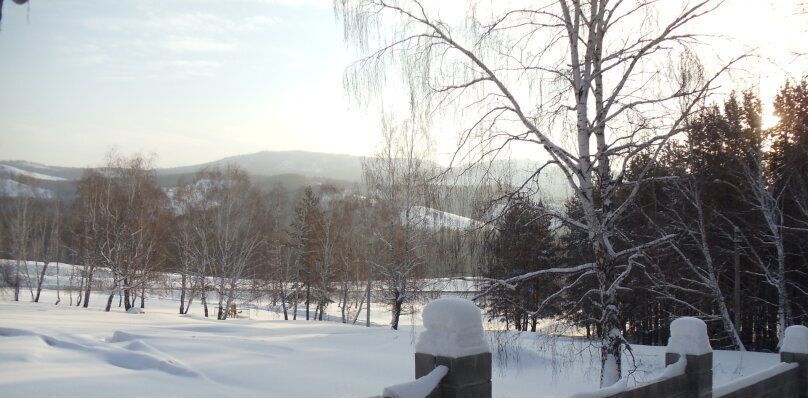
(48, 350)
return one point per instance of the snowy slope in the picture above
(16, 189)
(429, 218)
(4, 168)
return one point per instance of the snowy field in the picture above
(64, 351)
(48, 350)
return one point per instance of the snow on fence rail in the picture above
(452, 360)
(689, 370)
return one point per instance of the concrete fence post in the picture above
(795, 350)
(689, 339)
(454, 338)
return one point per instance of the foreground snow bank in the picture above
(453, 329)
(273, 358)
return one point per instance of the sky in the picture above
(192, 81)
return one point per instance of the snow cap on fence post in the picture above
(454, 338)
(454, 328)
(689, 339)
(795, 350)
(795, 339)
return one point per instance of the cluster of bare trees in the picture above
(122, 218)
(321, 257)
(220, 234)
(220, 240)
(33, 226)
(354, 247)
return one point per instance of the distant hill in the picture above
(264, 163)
(272, 163)
(293, 169)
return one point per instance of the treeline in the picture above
(727, 208)
(218, 239)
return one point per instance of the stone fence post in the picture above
(795, 350)
(454, 338)
(689, 338)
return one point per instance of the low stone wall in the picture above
(789, 379)
(672, 388)
(696, 381)
(453, 338)
(779, 384)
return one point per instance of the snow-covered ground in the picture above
(48, 350)
(432, 219)
(16, 189)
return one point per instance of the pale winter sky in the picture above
(196, 80)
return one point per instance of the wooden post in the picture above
(795, 350)
(689, 338)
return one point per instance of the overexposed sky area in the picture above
(196, 80)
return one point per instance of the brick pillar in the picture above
(468, 377)
(795, 350)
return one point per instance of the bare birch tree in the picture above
(398, 180)
(701, 271)
(227, 233)
(47, 241)
(767, 200)
(607, 74)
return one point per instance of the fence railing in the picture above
(452, 360)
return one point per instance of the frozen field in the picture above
(48, 350)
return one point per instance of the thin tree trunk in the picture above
(297, 298)
(736, 296)
(283, 301)
(397, 303)
(39, 281)
(783, 310)
(127, 303)
(205, 300)
(190, 300)
(182, 293)
(367, 319)
(344, 299)
(220, 313)
(308, 296)
(17, 282)
(58, 287)
(109, 300)
(89, 286)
